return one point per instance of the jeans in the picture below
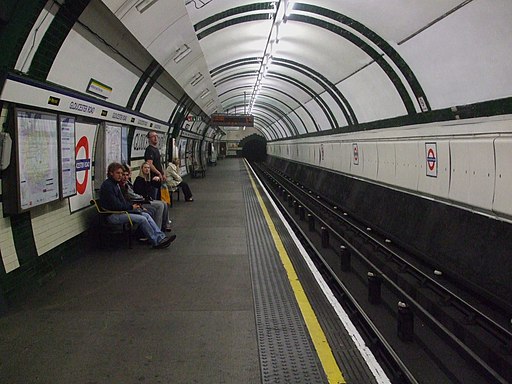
(161, 213)
(145, 222)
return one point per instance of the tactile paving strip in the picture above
(285, 348)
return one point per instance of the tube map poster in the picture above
(38, 154)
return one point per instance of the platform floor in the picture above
(215, 307)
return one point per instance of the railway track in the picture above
(431, 313)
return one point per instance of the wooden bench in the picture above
(107, 228)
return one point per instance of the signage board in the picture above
(225, 120)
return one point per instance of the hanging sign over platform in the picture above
(219, 120)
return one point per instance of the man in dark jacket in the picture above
(112, 199)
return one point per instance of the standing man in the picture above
(152, 157)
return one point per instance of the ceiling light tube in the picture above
(181, 52)
(143, 5)
(288, 9)
(272, 47)
(196, 79)
(205, 93)
(209, 103)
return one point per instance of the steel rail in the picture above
(490, 325)
(484, 367)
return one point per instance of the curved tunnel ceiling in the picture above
(298, 67)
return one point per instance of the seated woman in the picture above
(112, 199)
(144, 186)
(129, 194)
(174, 179)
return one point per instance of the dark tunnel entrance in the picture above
(254, 148)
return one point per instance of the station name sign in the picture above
(219, 120)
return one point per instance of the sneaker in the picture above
(165, 242)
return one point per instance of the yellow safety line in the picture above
(334, 375)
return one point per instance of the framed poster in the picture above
(113, 143)
(67, 156)
(37, 152)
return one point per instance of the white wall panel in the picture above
(372, 95)
(320, 155)
(313, 154)
(298, 123)
(333, 106)
(346, 157)
(450, 69)
(327, 160)
(438, 184)
(472, 175)
(158, 105)
(469, 162)
(337, 157)
(331, 153)
(370, 159)
(407, 164)
(302, 153)
(78, 61)
(482, 173)
(153, 21)
(319, 116)
(386, 171)
(459, 171)
(503, 187)
(306, 119)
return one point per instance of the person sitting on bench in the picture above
(157, 207)
(130, 195)
(144, 185)
(174, 179)
(112, 199)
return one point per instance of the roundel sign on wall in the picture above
(83, 164)
(431, 159)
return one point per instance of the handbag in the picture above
(165, 196)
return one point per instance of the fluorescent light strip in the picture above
(181, 53)
(144, 5)
(196, 79)
(205, 93)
